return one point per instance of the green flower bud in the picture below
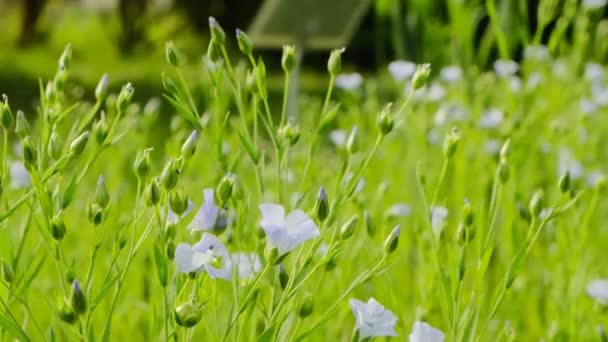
(170, 175)
(66, 58)
(216, 30)
(334, 63)
(451, 143)
(369, 224)
(352, 143)
(100, 129)
(171, 54)
(79, 301)
(170, 252)
(462, 264)
(306, 306)
(467, 214)
(101, 90)
(524, 214)
(55, 147)
(169, 84)
(288, 60)
(283, 277)
(141, 166)
(188, 314)
(189, 146)
(290, 133)
(22, 127)
(392, 241)
(95, 213)
(153, 193)
(29, 153)
(536, 203)
(178, 201)
(503, 172)
(348, 228)
(124, 98)
(421, 76)
(66, 313)
(78, 145)
(505, 150)
(58, 229)
(214, 51)
(6, 116)
(321, 207)
(7, 272)
(565, 182)
(245, 43)
(465, 233)
(331, 263)
(225, 187)
(385, 120)
(102, 197)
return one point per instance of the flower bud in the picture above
(6, 116)
(124, 98)
(465, 233)
(524, 214)
(306, 306)
(170, 252)
(245, 43)
(352, 143)
(334, 63)
(467, 214)
(189, 146)
(214, 51)
(421, 76)
(392, 241)
(331, 263)
(66, 58)
(66, 313)
(178, 201)
(217, 32)
(321, 207)
(348, 228)
(101, 193)
(78, 145)
(22, 127)
(283, 277)
(171, 54)
(79, 301)
(288, 60)
(565, 182)
(503, 172)
(451, 143)
(101, 90)
(505, 150)
(225, 187)
(290, 133)
(170, 175)
(100, 129)
(188, 314)
(29, 153)
(251, 82)
(536, 203)
(369, 224)
(7, 272)
(58, 229)
(385, 120)
(153, 193)
(141, 166)
(54, 148)
(95, 213)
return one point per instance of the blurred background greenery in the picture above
(125, 38)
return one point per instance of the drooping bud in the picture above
(288, 60)
(189, 146)
(451, 143)
(79, 301)
(95, 214)
(565, 182)
(421, 76)
(6, 116)
(217, 32)
(245, 43)
(369, 224)
(352, 143)
(58, 229)
(78, 145)
(22, 127)
(385, 120)
(225, 187)
(124, 98)
(283, 277)
(141, 166)
(306, 305)
(100, 129)
(102, 197)
(321, 207)
(392, 241)
(334, 63)
(153, 193)
(290, 133)
(7, 272)
(348, 228)
(170, 175)
(178, 201)
(101, 90)
(188, 314)
(171, 54)
(536, 203)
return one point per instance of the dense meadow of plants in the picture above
(429, 205)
